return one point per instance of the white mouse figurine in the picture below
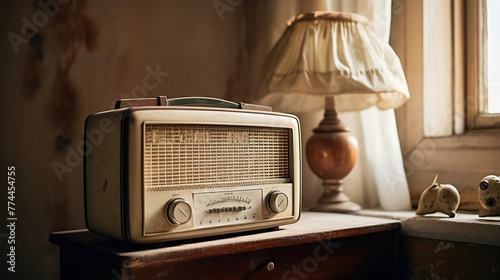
(489, 196)
(439, 198)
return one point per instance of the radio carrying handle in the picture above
(188, 101)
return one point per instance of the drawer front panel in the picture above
(356, 258)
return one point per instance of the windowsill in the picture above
(472, 139)
(466, 227)
(489, 132)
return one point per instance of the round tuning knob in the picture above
(178, 211)
(277, 201)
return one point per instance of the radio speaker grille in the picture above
(190, 156)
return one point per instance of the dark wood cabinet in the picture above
(319, 246)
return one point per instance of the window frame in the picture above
(477, 90)
(435, 138)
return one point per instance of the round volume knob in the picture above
(277, 201)
(178, 211)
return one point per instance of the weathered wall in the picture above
(422, 258)
(82, 56)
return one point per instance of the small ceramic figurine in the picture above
(489, 196)
(439, 198)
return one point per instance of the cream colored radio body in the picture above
(160, 173)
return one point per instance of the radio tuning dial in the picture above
(277, 201)
(178, 211)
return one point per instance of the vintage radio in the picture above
(158, 169)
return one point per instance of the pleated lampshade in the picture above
(331, 54)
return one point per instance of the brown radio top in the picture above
(187, 101)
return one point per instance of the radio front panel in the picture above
(195, 172)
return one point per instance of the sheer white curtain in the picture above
(378, 180)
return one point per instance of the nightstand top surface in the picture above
(311, 227)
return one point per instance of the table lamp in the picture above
(331, 60)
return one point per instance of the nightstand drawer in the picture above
(355, 258)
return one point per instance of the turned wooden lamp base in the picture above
(334, 200)
(331, 153)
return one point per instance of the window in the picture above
(442, 127)
(493, 58)
(482, 63)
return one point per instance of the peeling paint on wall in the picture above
(443, 245)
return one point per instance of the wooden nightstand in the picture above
(319, 246)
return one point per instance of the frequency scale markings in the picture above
(227, 207)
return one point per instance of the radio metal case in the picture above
(172, 171)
